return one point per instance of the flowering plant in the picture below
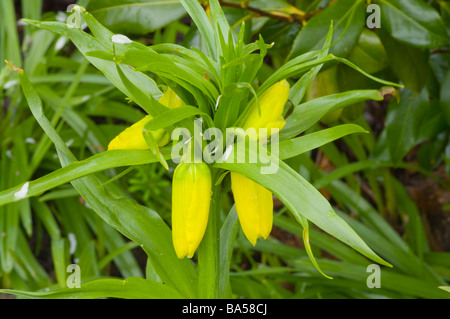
(216, 86)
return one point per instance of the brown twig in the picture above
(274, 15)
(440, 51)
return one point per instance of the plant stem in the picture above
(209, 249)
(289, 18)
(259, 12)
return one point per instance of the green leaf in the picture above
(153, 146)
(348, 169)
(320, 240)
(307, 114)
(218, 18)
(409, 64)
(125, 261)
(229, 105)
(325, 83)
(45, 215)
(203, 24)
(301, 63)
(41, 41)
(302, 199)
(445, 96)
(130, 288)
(413, 22)
(414, 228)
(306, 243)
(10, 44)
(298, 91)
(374, 229)
(60, 250)
(403, 122)
(399, 255)
(173, 116)
(282, 34)
(136, 17)
(294, 67)
(164, 66)
(25, 258)
(348, 18)
(86, 43)
(299, 145)
(369, 53)
(147, 102)
(228, 234)
(137, 222)
(77, 169)
(208, 265)
(445, 288)
(412, 286)
(275, 6)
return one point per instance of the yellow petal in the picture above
(271, 105)
(191, 194)
(171, 99)
(254, 206)
(279, 124)
(132, 139)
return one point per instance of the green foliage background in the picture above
(86, 111)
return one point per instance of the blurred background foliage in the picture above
(392, 186)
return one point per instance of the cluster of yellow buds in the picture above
(191, 190)
(254, 203)
(191, 187)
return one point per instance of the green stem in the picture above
(45, 143)
(209, 249)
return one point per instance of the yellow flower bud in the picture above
(254, 205)
(271, 104)
(171, 99)
(191, 195)
(132, 138)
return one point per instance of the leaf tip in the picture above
(13, 67)
(28, 21)
(389, 90)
